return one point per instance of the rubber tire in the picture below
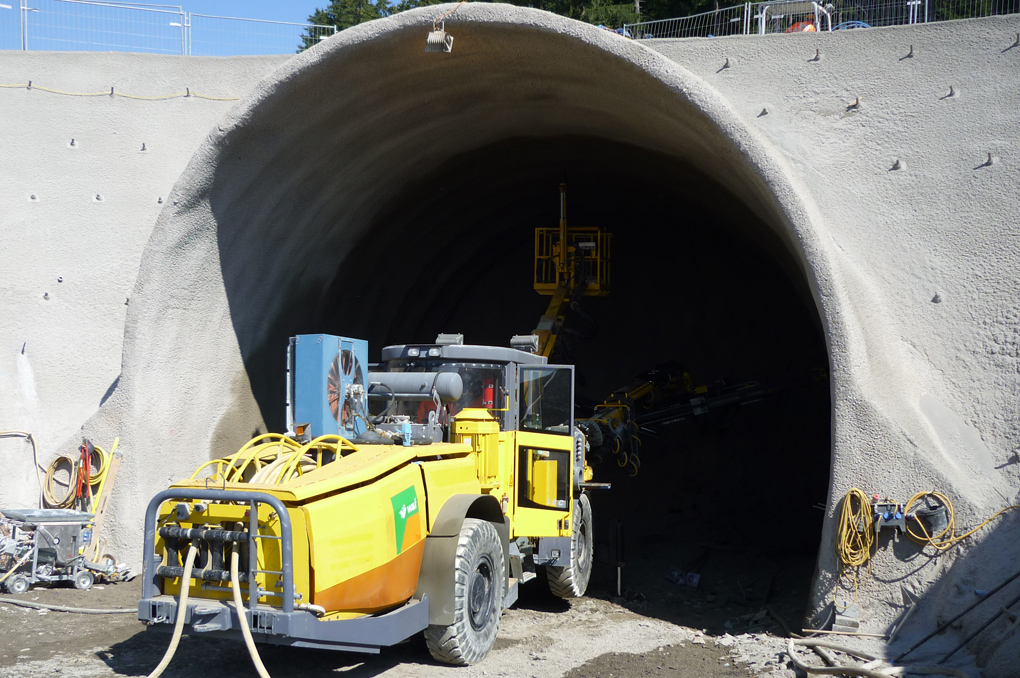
(83, 580)
(479, 583)
(17, 584)
(572, 581)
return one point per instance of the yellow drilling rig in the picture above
(411, 496)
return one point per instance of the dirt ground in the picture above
(656, 629)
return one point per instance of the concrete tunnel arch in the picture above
(365, 179)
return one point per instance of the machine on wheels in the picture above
(413, 497)
(45, 546)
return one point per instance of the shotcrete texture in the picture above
(367, 188)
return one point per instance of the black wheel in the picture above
(17, 583)
(479, 581)
(572, 581)
(83, 580)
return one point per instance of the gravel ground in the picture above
(541, 636)
(719, 629)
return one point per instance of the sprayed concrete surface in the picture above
(869, 180)
(79, 197)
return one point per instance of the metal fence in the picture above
(785, 16)
(93, 25)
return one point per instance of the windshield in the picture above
(483, 387)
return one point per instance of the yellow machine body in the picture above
(360, 521)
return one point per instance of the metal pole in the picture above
(24, 24)
(1002, 611)
(947, 624)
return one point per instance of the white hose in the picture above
(62, 608)
(182, 612)
(860, 670)
(239, 604)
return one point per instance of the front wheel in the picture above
(83, 580)
(479, 581)
(571, 581)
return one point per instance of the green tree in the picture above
(346, 13)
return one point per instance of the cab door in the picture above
(545, 444)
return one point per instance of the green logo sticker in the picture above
(405, 505)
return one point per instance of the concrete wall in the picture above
(79, 199)
(913, 270)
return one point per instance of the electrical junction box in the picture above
(327, 387)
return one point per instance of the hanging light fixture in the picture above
(438, 40)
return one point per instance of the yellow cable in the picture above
(96, 477)
(238, 474)
(947, 537)
(114, 92)
(855, 534)
(855, 537)
(321, 441)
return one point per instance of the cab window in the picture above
(546, 399)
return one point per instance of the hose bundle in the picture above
(274, 459)
(83, 474)
(855, 535)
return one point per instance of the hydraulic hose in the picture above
(35, 459)
(64, 608)
(235, 586)
(182, 612)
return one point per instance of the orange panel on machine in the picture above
(382, 587)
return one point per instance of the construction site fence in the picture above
(759, 18)
(93, 25)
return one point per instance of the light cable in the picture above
(114, 93)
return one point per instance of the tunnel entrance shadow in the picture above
(701, 277)
(698, 280)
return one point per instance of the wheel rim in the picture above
(582, 544)
(19, 585)
(480, 595)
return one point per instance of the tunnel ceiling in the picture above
(373, 186)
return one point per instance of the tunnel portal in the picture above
(375, 191)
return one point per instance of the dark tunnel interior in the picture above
(697, 279)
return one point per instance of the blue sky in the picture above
(150, 27)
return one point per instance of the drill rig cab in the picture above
(414, 495)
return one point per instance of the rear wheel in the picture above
(571, 581)
(17, 583)
(479, 581)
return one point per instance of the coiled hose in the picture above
(947, 537)
(98, 466)
(855, 535)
